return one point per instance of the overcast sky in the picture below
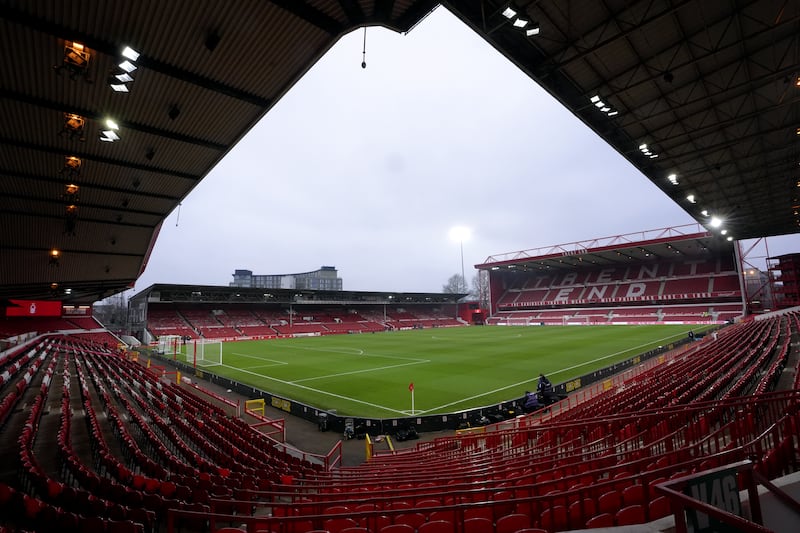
(368, 170)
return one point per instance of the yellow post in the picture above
(148, 363)
(178, 377)
(369, 447)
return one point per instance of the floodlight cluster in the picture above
(123, 75)
(521, 21)
(603, 106)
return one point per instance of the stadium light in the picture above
(715, 222)
(509, 13)
(461, 234)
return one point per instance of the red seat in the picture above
(601, 520)
(396, 528)
(580, 512)
(554, 518)
(479, 512)
(628, 516)
(412, 519)
(335, 525)
(633, 495)
(438, 526)
(477, 525)
(512, 523)
(610, 502)
(659, 508)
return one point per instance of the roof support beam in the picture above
(351, 8)
(311, 15)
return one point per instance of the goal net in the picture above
(201, 352)
(169, 345)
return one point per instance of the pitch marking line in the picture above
(357, 351)
(473, 339)
(420, 411)
(326, 393)
(274, 362)
(413, 362)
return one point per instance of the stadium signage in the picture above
(719, 489)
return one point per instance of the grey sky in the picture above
(368, 169)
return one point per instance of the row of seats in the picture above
(168, 455)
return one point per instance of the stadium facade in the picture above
(671, 275)
(325, 278)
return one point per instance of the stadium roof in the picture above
(679, 243)
(212, 294)
(705, 90)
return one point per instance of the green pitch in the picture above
(453, 369)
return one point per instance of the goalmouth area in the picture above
(453, 370)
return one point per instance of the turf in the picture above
(452, 369)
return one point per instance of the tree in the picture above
(455, 285)
(480, 288)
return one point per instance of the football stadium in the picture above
(646, 381)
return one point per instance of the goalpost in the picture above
(169, 345)
(205, 353)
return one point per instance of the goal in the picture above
(201, 352)
(169, 345)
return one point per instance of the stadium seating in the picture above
(596, 296)
(158, 454)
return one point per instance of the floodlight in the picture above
(119, 87)
(127, 66)
(599, 104)
(130, 53)
(691, 198)
(643, 147)
(533, 30)
(724, 232)
(124, 77)
(704, 212)
(594, 99)
(109, 136)
(111, 124)
(520, 23)
(613, 113)
(509, 13)
(460, 233)
(715, 222)
(673, 179)
(730, 238)
(605, 109)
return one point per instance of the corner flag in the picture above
(411, 386)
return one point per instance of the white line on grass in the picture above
(354, 400)
(535, 378)
(261, 359)
(473, 339)
(413, 362)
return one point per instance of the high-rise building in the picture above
(324, 279)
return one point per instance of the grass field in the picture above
(452, 369)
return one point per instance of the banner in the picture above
(33, 308)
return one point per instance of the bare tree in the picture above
(480, 288)
(455, 285)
